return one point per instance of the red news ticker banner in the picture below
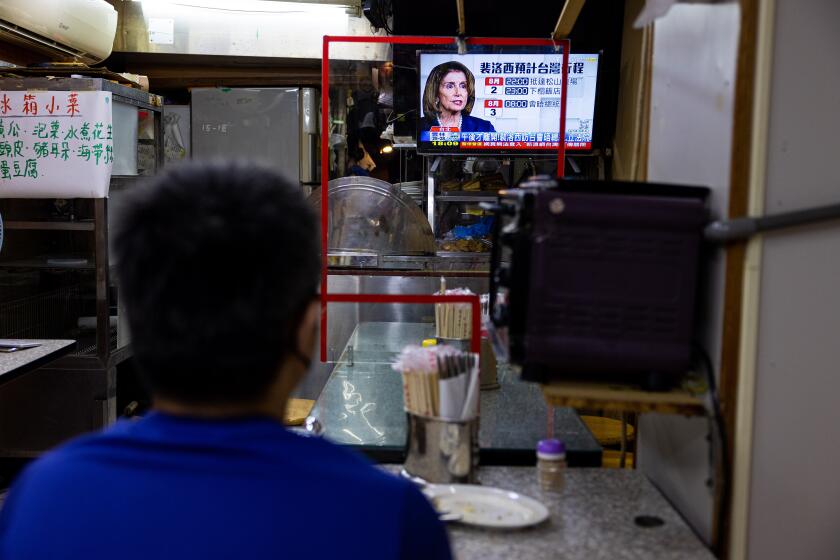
(524, 145)
(510, 144)
(474, 301)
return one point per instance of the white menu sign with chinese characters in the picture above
(55, 144)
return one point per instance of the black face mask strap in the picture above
(294, 351)
(307, 362)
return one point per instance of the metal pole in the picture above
(567, 19)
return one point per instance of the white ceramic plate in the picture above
(485, 506)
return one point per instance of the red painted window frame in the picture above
(473, 300)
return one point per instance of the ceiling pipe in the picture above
(567, 19)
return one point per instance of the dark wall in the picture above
(598, 29)
(598, 21)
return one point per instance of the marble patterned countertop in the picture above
(593, 518)
(12, 363)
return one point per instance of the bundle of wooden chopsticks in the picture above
(439, 382)
(452, 320)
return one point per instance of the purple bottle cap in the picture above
(551, 449)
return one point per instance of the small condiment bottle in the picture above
(551, 464)
(488, 375)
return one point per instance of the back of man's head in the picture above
(216, 265)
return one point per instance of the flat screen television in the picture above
(504, 103)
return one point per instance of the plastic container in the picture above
(489, 372)
(551, 464)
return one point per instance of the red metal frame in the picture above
(473, 300)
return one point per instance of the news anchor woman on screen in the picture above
(448, 98)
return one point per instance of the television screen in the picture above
(477, 103)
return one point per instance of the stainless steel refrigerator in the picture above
(276, 126)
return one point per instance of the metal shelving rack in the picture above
(76, 393)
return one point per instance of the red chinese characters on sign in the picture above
(52, 107)
(55, 143)
(30, 104)
(72, 103)
(492, 81)
(492, 103)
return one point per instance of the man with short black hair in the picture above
(218, 266)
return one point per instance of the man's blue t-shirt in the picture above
(170, 487)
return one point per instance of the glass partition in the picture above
(361, 401)
(376, 280)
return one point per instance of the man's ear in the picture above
(307, 334)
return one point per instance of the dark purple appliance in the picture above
(600, 278)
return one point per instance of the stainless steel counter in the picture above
(361, 405)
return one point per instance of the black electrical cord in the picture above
(387, 14)
(391, 118)
(377, 9)
(726, 466)
(383, 8)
